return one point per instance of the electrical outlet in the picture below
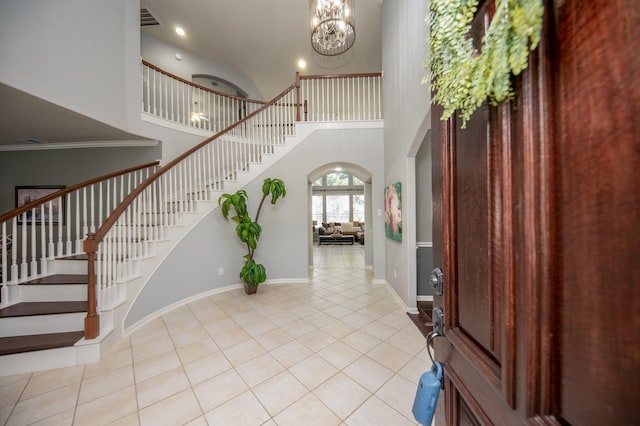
(220, 271)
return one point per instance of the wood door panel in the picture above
(536, 225)
(599, 212)
(475, 303)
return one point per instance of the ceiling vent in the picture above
(147, 18)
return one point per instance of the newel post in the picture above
(297, 96)
(92, 320)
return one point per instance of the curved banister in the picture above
(64, 191)
(196, 85)
(159, 202)
(110, 221)
(329, 76)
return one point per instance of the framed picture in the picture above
(393, 211)
(27, 194)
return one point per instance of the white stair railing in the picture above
(161, 201)
(172, 98)
(55, 226)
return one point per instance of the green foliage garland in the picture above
(463, 78)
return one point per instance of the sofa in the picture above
(356, 229)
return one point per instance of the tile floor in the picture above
(337, 351)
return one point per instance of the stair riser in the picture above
(53, 293)
(62, 266)
(41, 324)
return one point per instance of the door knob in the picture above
(436, 279)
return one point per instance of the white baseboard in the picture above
(424, 298)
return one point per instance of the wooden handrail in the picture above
(64, 191)
(196, 85)
(113, 217)
(329, 76)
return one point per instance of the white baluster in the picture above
(51, 248)
(34, 223)
(68, 242)
(92, 228)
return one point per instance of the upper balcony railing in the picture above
(348, 97)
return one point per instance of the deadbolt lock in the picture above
(436, 279)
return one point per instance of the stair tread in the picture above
(76, 257)
(59, 279)
(42, 308)
(20, 344)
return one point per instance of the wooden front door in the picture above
(537, 231)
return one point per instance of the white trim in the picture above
(424, 244)
(86, 144)
(175, 126)
(424, 298)
(400, 301)
(138, 324)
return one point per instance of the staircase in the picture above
(56, 312)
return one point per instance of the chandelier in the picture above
(333, 28)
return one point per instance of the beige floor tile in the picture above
(279, 392)
(130, 420)
(219, 389)
(356, 320)
(197, 350)
(175, 410)
(244, 410)
(155, 366)
(389, 356)
(291, 353)
(338, 329)
(152, 349)
(107, 408)
(274, 338)
(10, 392)
(414, 369)
(337, 311)
(379, 330)
(411, 343)
(183, 313)
(207, 367)
(150, 332)
(339, 354)
(186, 337)
(307, 411)
(61, 419)
(200, 421)
(397, 320)
(98, 386)
(313, 371)
(399, 393)
(231, 337)
(46, 381)
(5, 412)
(243, 352)
(341, 394)
(368, 373)
(259, 369)
(317, 340)
(298, 328)
(160, 387)
(43, 406)
(361, 341)
(114, 360)
(376, 412)
(7, 380)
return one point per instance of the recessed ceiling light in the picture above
(179, 31)
(338, 169)
(302, 64)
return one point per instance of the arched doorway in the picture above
(340, 210)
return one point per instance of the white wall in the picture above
(162, 54)
(283, 247)
(405, 106)
(70, 53)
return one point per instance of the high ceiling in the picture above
(264, 39)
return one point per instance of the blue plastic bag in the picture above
(424, 406)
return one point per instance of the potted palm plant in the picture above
(248, 230)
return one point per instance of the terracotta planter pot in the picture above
(250, 289)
